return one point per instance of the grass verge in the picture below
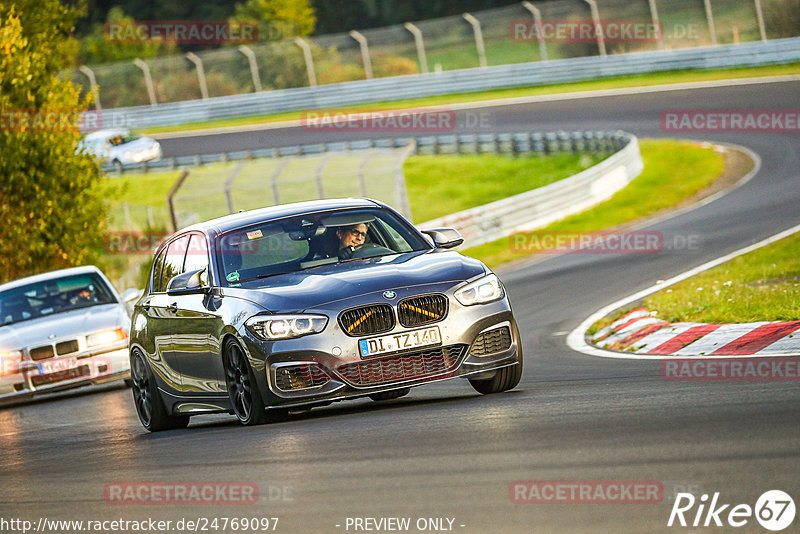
(674, 173)
(658, 78)
(763, 285)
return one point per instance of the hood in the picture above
(313, 288)
(67, 325)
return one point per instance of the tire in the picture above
(503, 380)
(128, 382)
(149, 405)
(117, 164)
(248, 406)
(389, 395)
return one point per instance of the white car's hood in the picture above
(66, 325)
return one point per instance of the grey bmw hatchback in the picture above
(294, 306)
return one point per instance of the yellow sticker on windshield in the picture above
(255, 234)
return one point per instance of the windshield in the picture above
(121, 139)
(53, 296)
(307, 241)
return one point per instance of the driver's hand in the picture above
(346, 253)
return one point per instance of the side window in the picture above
(173, 263)
(157, 266)
(197, 256)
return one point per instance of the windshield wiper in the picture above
(260, 277)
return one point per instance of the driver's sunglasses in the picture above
(357, 233)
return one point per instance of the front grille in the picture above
(304, 376)
(400, 367)
(490, 342)
(367, 320)
(67, 347)
(40, 353)
(60, 376)
(426, 309)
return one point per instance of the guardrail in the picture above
(539, 207)
(456, 81)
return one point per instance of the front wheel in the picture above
(503, 380)
(149, 406)
(243, 390)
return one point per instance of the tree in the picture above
(97, 48)
(51, 209)
(278, 19)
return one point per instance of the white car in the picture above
(62, 329)
(120, 146)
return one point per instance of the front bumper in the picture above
(59, 373)
(334, 356)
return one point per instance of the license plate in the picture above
(57, 366)
(399, 341)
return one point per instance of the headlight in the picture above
(271, 327)
(9, 362)
(105, 337)
(480, 291)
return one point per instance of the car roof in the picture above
(237, 220)
(51, 276)
(106, 134)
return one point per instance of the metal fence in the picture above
(478, 39)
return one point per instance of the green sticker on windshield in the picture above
(233, 277)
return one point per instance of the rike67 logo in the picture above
(774, 510)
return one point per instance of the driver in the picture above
(351, 237)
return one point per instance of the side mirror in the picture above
(188, 283)
(444, 237)
(129, 298)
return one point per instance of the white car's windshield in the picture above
(53, 296)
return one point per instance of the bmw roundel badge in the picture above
(389, 294)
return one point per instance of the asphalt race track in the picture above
(445, 451)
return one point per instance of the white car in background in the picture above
(62, 329)
(120, 146)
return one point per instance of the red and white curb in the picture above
(678, 338)
(640, 333)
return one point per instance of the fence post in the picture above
(657, 23)
(148, 80)
(362, 182)
(251, 59)
(304, 46)
(362, 43)
(710, 17)
(400, 193)
(229, 183)
(318, 175)
(170, 199)
(274, 180)
(201, 73)
(420, 44)
(537, 20)
(93, 84)
(598, 27)
(476, 29)
(760, 17)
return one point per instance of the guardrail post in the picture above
(760, 17)
(598, 27)
(304, 46)
(710, 17)
(228, 184)
(93, 84)
(201, 73)
(148, 80)
(170, 199)
(476, 29)
(362, 43)
(657, 23)
(420, 44)
(251, 59)
(537, 20)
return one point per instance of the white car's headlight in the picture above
(486, 289)
(105, 337)
(271, 327)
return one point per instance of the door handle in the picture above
(173, 307)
